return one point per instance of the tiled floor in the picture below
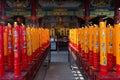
(59, 69)
(59, 56)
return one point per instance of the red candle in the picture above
(1, 52)
(10, 53)
(24, 47)
(17, 67)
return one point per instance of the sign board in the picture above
(53, 46)
(102, 4)
(101, 12)
(12, 12)
(60, 12)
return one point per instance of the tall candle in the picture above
(90, 44)
(103, 54)
(109, 43)
(79, 40)
(5, 44)
(10, 47)
(86, 42)
(29, 44)
(17, 67)
(82, 41)
(24, 47)
(2, 72)
(114, 46)
(96, 47)
(117, 38)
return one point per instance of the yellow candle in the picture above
(40, 38)
(5, 42)
(82, 36)
(103, 55)
(107, 39)
(114, 41)
(86, 40)
(79, 37)
(117, 38)
(90, 38)
(32, 39)
(96, 39)
(29, 44)
(110, 39)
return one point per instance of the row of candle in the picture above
(19, 45)
(99, 45)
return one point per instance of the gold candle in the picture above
(117, 44)
(103, 54)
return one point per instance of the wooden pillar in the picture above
(3, 9)
(79, 23)
(117, 16)
(116, 4)
(117, 11)
(87, 6)
(33, 8)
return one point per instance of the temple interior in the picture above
(59, 39)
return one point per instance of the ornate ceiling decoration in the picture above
(102, 3)
(60, 3)
(18, 3)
